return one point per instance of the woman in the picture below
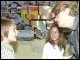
(66, 13)
(56, 45)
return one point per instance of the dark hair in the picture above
(62, 40)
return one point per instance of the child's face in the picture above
(54, 34)
(12, 34)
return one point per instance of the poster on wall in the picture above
(44, 11)
(33, 11)
(24, 13)
(24, 10)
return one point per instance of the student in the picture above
(8, 34)
(56, 45)
(66, 13)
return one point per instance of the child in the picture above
(8, 34)
(56, 46)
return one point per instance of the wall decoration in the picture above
(24, 10)
(33, 10)
(44, 11)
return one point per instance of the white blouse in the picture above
(50, 52)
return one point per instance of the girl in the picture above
(56, 44)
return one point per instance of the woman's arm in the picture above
(68, 52)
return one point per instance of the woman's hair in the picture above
(61, 39)
(62, 5)
(5, 26)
